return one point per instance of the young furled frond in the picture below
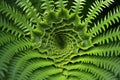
(59, 40)
(62, 12)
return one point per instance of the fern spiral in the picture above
(59, 40)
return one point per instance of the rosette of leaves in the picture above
(59, 40)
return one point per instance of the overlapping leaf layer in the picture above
(59, 40)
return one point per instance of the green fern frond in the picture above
(82, 75)
(8, 27)
(33, 66)
(108, 63)
(108, 20)
(9, 50)
(19, 62)
(31, 12)
(13, 14)
(97, 72)
(59, 40)
(47, 5)
(45, 73)
(4, 40)
(111, 49)
(96, 8)
(78, 6)
(61, 4)
(110, 36)
(58, 76)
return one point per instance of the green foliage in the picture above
(96, 8)
(78, 6)
(58, 40)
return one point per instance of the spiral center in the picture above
(60, 41)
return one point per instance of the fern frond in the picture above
(59, 40)
(9, 50)
(108, 20)
(111, 35)
(57, 77)
(13, 14)
(82, 75)
(63, 14)
(44, 73)
(112, 49)
(96, 8)
(108, 63)
(97, 72)
(7, 26)
(6, 38)
(19, 63)
(78, 6)
(61, 3)
(29, 9)
(73, 78)
(33, 66)
(47, 5)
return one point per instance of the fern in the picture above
(20, 61)
(45, 73)
(61, 3)
(108, 20)
(97, 72)
(47, 4)
(32, 66)
(111, 35)
(82, 75)
(104, 50)
(6, 25)
(108, 63)
(96, 8)
(78, 6)
(9, 38)
(12, 14)
(59, 40)
(30, 11)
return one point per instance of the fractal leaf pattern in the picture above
(59, 40)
